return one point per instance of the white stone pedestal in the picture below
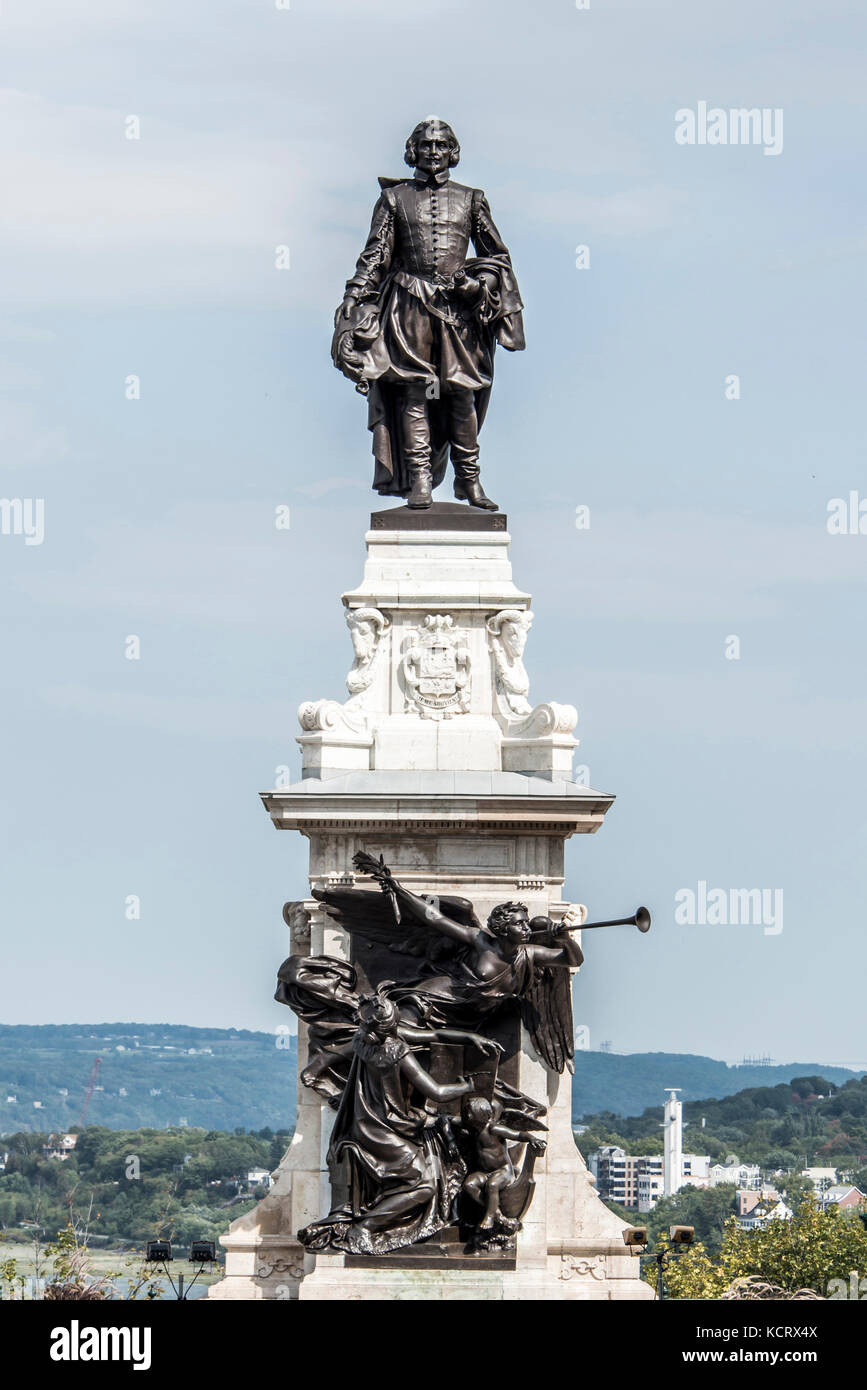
(439, 762)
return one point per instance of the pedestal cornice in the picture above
(440, 801)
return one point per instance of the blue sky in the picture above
(262, 127)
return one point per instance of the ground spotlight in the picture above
(202, 1252)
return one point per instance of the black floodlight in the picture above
(203, 1252)
(158, 1251)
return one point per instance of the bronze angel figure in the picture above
(468, 970)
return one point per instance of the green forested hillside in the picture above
(165, 1075)
(628, 1083)
(150, 1075)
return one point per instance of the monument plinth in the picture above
(438, 763)
(438, 683)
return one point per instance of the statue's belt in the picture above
(427, 289)
(430, 282)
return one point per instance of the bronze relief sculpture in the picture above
(419, 323)
(447, 1140)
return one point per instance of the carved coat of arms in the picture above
(436, 669)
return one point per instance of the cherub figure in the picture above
(495, 1176)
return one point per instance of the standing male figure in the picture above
(419, 323)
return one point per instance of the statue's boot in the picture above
(416, 445)
(463, 427)
(469, 489)
(420, 477)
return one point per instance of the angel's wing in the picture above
(361, 911)
(370, 915)
(546, 1011)
(517, 1110)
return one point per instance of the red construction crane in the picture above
(94, 1073)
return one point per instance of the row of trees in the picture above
(822, 1251)
(133, 1185)
(812, 1250)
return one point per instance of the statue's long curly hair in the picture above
(410, 154)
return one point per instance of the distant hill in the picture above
(629, 1083)
(221, 1078)
(806, 1121)
(151, 1075)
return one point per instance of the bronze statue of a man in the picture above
(419, 323)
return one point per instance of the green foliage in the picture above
(71, 1277)
(810, 1251)
(795, 1188)
(695, 1274)
(130, 1186)
(12, 1282)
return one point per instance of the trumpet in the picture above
(640, 919)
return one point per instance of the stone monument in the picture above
(431, 964)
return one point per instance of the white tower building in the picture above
(673, 1142)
